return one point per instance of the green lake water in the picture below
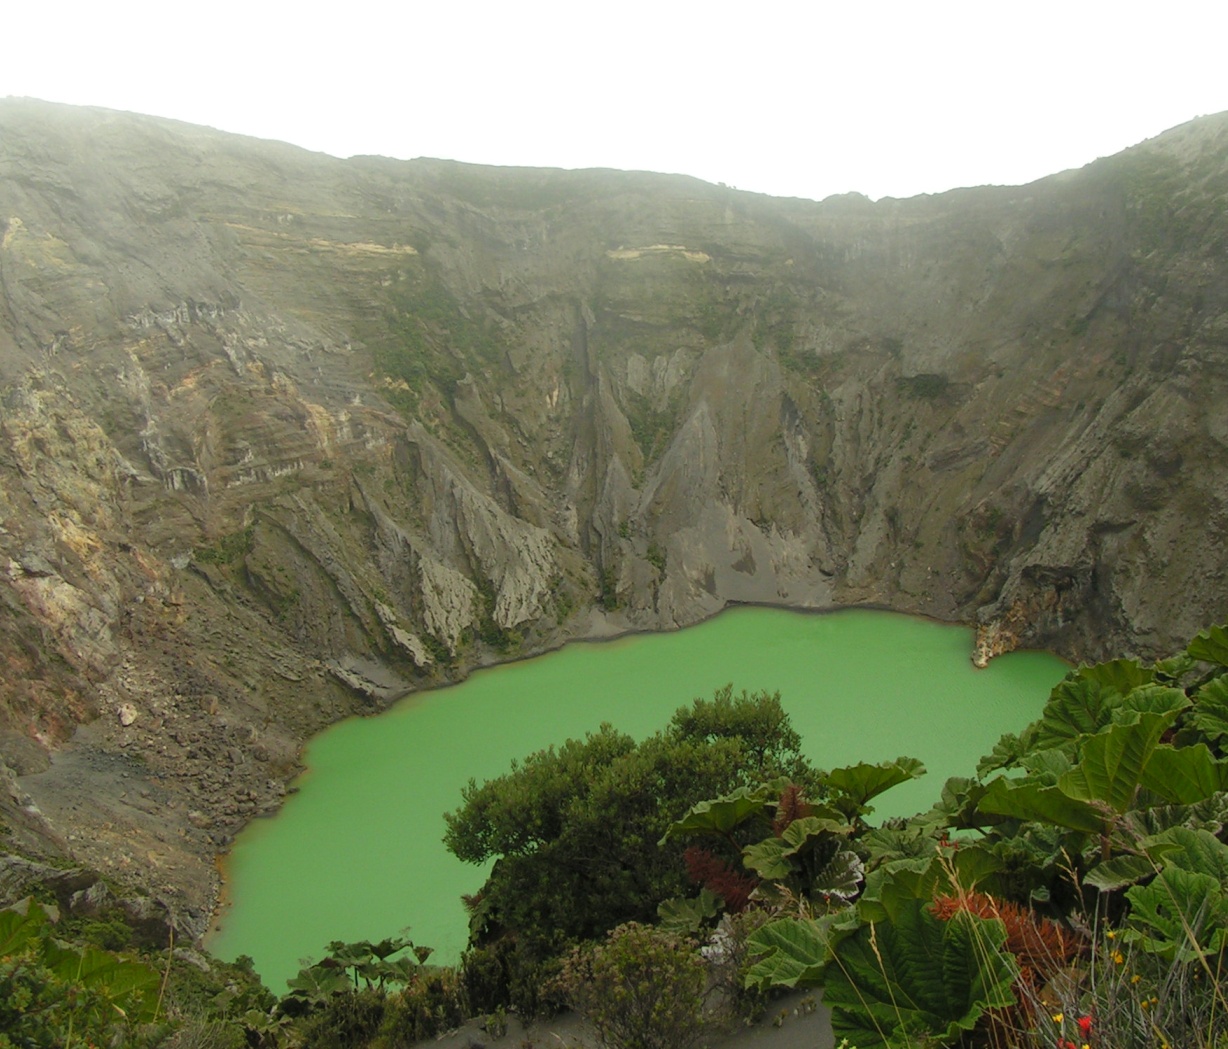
(357, 852)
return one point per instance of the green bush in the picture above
(641, 989)
(511, 975)
(345, 1021)
(431, 1003)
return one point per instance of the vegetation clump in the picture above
(641, 989)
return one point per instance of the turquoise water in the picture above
(357, 852)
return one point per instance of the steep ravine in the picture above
(283, 437)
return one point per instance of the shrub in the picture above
(431, 1003)
(345, 1020)
(728, 956)
(512, 975)
(641, 989)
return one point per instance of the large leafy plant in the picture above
(1115, 802)
(56, 994)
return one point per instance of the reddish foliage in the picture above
(714, 874)
(1040, 946)
(792, 806)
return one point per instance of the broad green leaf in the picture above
(944, 869)
(1111, 764)
(973, 866)
(1192, 850)
(1118, 872)
(1178, 916)
(17, 930)
(949, 870)
(897, 843)
(1030, 801)
(1185, 775)
(1155, 699)
(1211, 646)
(1210, 815)
(800, 832)
(1079, 705)
(1046, 766)
(399, 970)
(1124, 675)
(769, 859)
(388, 947)
(318, 984)
(864, 781)
(1006, 752)
(841, 876)
(1210, 713)
(1174, 668)
(916, 979)
(130, 987)
(795, 951)
(906, 879)
(957, 806)
(1037, 853)
(721, 815)
(686, 916)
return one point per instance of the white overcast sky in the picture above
(790, 98)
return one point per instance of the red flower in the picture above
(1085, 1026)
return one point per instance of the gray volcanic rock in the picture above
(284, 436)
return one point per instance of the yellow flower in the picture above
(1144, 1004)
(1058, 1017)
(1135, 978)
(1118, 958)
(1111, 934)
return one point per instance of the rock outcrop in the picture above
(283, 437)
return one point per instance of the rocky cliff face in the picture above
(283, 437)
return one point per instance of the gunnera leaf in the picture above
(1193, 850)
(840, 877)
(794, 952)
(1118, 872)
(1211, 646)
(17, 929)
(917, 980)
(1154, 699)
(721, 815)
(1185, 775)
(1079, 705)
(1210, 713)
(1179, 916)
(684, 916)
(1112, 763)
(864, 781)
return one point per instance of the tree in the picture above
(574, 830)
